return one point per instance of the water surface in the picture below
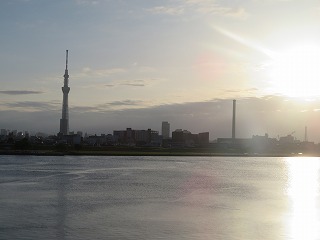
(159, 198)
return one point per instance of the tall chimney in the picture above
(234, 120)
(305, 134)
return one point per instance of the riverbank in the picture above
(152, 152)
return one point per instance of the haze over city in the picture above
(138, 63)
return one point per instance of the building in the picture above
(132, 137)
(263, 144)
(4, 132)
(203, 139)
(64, 121)
(124, 137)
(80, 133)
(289, 139)
(234, 143)
(179, 136)
(95, 140)
(165, 130)
(184, 138)
(71, 139)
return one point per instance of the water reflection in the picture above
(62, 181)
(303, 192)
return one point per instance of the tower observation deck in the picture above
(64, 121)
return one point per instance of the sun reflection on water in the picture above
(303, 192)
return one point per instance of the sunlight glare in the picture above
(303, 191)
(295, 72)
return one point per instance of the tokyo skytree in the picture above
(64, 121)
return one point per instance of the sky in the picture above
(136, 63)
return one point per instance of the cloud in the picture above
(88, 72)
(87, 2)
(135, 83)
(109, 85)
(84, 109)
(122, 83)
(31, 106)
(166, 10)
(119, 105)
(20, 92)
(131, 83)
(248, 91)
(108, 106)
(239, 13)
(203, 7)
(110, 77)
(124, 103)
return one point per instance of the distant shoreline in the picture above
(146, 153)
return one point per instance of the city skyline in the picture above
(165, 126)
(138, 63)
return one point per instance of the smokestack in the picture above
(305, 134)
(234, 120)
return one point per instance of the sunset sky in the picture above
(136, 63)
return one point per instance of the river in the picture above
(105, 197)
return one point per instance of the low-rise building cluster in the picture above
(128, 137)
(13, 139)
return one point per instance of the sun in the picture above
(295, 72)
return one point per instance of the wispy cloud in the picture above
(167, 10)
(203, 7)
(109, 85)
(88, 72)
(128, 83)
(246, 90)
(30, 106)
(119, 83)
(239, 13)
(111, 106)
(87, 2)
(131, 76)
(125, 103)
(135, 83)
(20, 92)
(84, 109)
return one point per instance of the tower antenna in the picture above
(66, 59)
